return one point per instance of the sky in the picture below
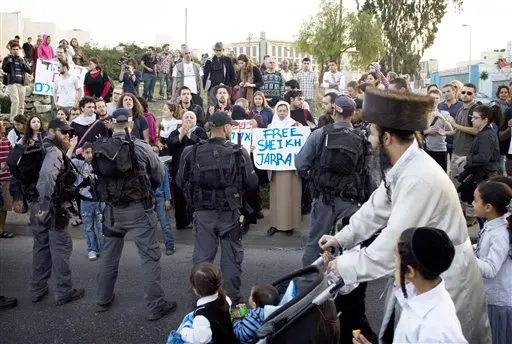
(233, 20)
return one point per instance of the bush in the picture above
(5, 104)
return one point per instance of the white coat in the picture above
(422, 195)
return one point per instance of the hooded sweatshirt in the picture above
(45, 51)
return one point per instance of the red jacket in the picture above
(150, 118)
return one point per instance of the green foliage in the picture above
(330, 33)
(410, 27)
(484, 75)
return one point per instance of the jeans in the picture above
(16, 93)
(165, 222)
(149, 85)
(165, 78)
(91, 213)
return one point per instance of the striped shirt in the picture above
(5, 148)
(245, 329)
(307, 82)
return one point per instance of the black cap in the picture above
(219, 119)
(59, 123)
(433, 249)
(121, 115)
(238, 113)
(344, 104)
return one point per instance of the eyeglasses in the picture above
(469, 93)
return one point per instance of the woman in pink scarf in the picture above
(45, 51)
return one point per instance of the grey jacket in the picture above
(53, 165)
(494, 261)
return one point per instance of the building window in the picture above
(248, 51)
(234, 52)
(254, 51)
(273, 50)
(280, 51)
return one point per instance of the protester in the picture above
(15, 134)
(139, 125)
(328, 114)
(296, 100)
(494, 255)
(87, 127)
(187, 135)
(63, 113)
(186, 104)
(273, 83)
(67, 89)
(148, 65)
(188, 74)
(164, 69)
(249, 78)
(97, 82)
(421, 256)
(452, 106)
(285, 186)
(217, 70)
(333, 80)
(5, 177)
(130, 77)
(259, 106)
(78, 57)
(45, 50)
(34, 127)
(435, 135)
(116, 94)
(151, 119)
(374, 67)
(171, 118)
(15, 68)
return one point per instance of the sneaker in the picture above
(92, 256)
(169, 251)
(8, 302)
(74, 295)
(40, 297)
(167, 308)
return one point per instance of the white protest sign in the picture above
(275, 149)
(244, 129)
(48, 71)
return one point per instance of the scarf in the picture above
(168, 126)
(285, 123)
(246, 92)
(85, 121)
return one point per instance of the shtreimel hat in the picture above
(393, 110)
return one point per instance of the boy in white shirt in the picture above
(428, 313)
(67, 90)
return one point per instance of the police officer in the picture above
(214, 175)
(333, 157)
(48, 200)
(129, 207)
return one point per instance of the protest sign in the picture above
(244, 129)
(275, 149)
(48, 71)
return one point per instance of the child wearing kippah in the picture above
(428, 313)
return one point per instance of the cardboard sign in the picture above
(244, 128)
(48, 71)
(275, 149)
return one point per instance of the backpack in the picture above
(342, 150)
(25, 161)
(215, 181)
(120, 178)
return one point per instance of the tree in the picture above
(409, 26)
(327, 35)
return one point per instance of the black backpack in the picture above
(25, 161)
(342, 150)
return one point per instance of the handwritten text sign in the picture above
(275, 149)
(244, 129)
(48, 71)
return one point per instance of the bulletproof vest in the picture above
(216, 176)
(121, 180)
(339, 164)
(65, 190)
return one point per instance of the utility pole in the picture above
(186, 26)
(469, 62)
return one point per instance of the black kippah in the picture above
(433, 249)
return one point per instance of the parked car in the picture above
(483, 98)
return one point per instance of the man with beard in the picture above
(103, 116)
(218, 70)
(214, 175)
(328, 114)
(67, 90)
(222, 93)
(185, 101)
(414, 192)
(49, 199)
(87, 128)
(116, 95)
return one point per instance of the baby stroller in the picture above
(310, 317)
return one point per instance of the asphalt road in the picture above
(126, 321)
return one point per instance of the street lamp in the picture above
(469, 64)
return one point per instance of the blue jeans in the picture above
(165, 78)
(165, 222)
(91, 212)
(149, 85)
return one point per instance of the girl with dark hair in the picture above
(97, 82)
(150, 118)
(494, 255)
(211, 321)
(138, 125)
(63, 113)
(78, 57)
(502, 98)
(372, 80)
(483, 159)
(34, 126)
(421, 256)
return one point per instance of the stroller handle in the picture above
(329, 293)
(319, 263)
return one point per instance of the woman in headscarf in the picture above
(78, 57)
(45, 50)
(285, 186)
(188, 134)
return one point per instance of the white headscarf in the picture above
(277, 122)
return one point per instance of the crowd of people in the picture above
(375, 167)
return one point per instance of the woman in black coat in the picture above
(186, 135)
